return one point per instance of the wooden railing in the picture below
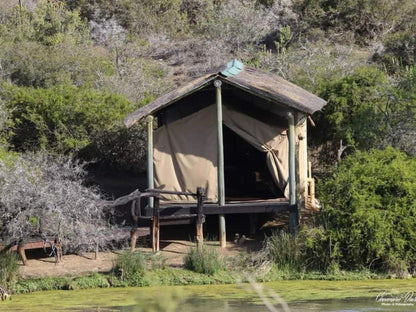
(156, 219)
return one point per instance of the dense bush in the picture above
(206, 260)
(63, 118)
(45, 197)
(369, 210)
(354, 110)
(362, 20)
(400, 114)
(49, 45)
(366, 109)
(400, 49)
(71, 70)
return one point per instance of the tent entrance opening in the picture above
(247, 176)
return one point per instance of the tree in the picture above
(353, 113)
(45, 197)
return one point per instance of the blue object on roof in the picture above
(233, 68)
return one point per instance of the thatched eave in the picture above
(264, 85)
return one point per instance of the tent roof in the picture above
(264, 85)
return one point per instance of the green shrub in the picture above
(130, 267)
(41, 284)
(158, 261)
(353, 111)
(400, 49)
(369, 210)
(317, 252)
(64, 118)
(85, 282)
(9, 269)
(206, 260)
(284, 249)
(50, 45)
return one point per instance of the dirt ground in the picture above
(74, 265)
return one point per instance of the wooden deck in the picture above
(231, 207)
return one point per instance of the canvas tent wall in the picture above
(185, 151)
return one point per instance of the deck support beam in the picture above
(150, 174)
(156, 226)
(200, 217)
(294, 214)
(221, 181)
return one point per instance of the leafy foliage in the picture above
(367, 109)
(353, 112)
(63, 118)
(369, 210)
(49, 45)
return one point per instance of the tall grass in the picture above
(9, 269)
(130, 267)
(206, 260)
(284, 249)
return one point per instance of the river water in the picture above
(326, 296)
(235, 305)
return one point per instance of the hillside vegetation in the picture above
(71, 70)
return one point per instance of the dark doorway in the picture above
(247, 176)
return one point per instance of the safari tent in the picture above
(238, 132)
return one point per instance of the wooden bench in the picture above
(36, 243)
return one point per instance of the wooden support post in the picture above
(305, 160)
(294, 215)
(311, 184)
(200, 217)
(58, 250)
(220, 172)
(155, 225)
(134, 236)
(150, 174)
(135, 214)
(96, 250)
(21, 250)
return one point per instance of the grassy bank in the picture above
(179, 277)
(204, 266)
